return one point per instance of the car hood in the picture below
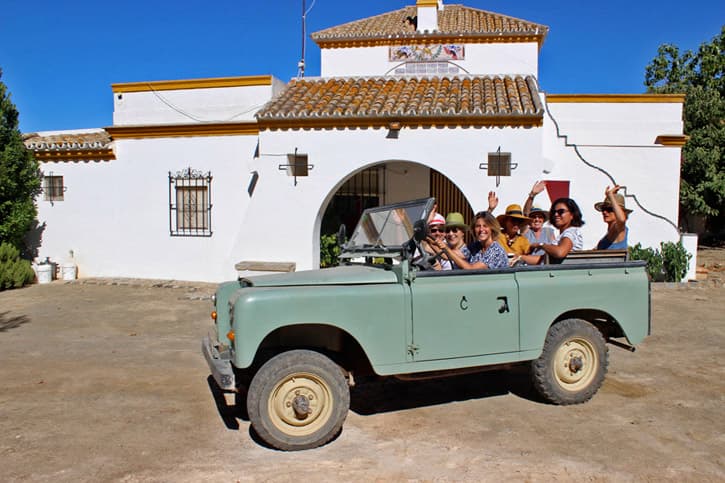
(347, 275)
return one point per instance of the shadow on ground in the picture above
(8, 322)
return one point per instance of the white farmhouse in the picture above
(196, 176)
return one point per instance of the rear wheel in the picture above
(572, 365)
(298, 400)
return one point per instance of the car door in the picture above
(464, 313)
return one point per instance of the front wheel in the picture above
(298, 400)
(573, 364)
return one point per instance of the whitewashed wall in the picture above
(481, 59)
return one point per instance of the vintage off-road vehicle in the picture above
(295, 341)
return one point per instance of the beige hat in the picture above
(455, 219)
(513, 211)
(618, 198)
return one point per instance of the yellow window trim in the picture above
(171, 85)
(615, 98)
(184, 130)
(676, 140)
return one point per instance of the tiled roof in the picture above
(453, 21)
(70, 145)
(376, 101)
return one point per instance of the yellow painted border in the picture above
(426, 3)
(169, 85)
(338, 43)
(75, 155)
(184, 130)
(411, 122)
(615, 98)
(676, 140)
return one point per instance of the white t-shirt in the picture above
(573, 233)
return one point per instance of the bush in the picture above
(14, 272)
(669, 264)
(329, 251)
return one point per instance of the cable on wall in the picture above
(602, 170)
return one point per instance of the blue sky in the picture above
(60, 58)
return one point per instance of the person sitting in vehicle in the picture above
(485, 251)
(437, 231)
(513, 223)
(536, 232)
(567, 218)
(614, 214)
(456, 230)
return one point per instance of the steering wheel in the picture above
(425, 261)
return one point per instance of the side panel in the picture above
(377, 316)
(544, 295)
(465, 315)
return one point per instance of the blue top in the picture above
(546, 235)
(605, 244)
(495, 256)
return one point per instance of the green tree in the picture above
(701, 77)
(19, 176)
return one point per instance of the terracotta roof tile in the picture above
(453, 20)
(70, 145)
(474, 100)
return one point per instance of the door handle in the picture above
(504, 306)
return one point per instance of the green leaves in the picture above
(19, 176)
(701, 77)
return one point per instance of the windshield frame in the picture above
(378, 249)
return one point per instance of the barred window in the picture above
(190, 203)
(499, 164)
(53, 188)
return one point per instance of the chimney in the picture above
(428, 14)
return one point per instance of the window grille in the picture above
(190, 203)
(53, 188)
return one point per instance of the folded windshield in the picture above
(388, 227)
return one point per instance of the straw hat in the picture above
(539, 211)
(618, 198)
(455, 219)
(437, 220)
(513, 211)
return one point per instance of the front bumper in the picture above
(220, 367)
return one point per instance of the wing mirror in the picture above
(420, 230)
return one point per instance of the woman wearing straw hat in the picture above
(537, 232)
(485, 252)
(614, 214)
(513, 222)
(456, 230)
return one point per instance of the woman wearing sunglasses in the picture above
(485, 252)
(566, 216)
(614, 214)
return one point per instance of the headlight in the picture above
(213, 299)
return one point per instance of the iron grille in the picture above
(53, 188)
(190, 203)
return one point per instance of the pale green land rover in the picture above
(295, 342)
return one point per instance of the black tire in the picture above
(573, 364)
(298, 400)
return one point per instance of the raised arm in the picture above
(619, 213)
(538, 187)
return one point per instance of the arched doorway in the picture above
(390, 182)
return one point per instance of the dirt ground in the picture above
(105, 382)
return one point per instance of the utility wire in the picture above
(193, 117)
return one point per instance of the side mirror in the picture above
(341, 235)
(420, 230)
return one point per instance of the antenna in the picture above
(301, 63)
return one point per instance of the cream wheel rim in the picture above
(300, 404)
(576, 364)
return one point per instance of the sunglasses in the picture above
(560, 211)
(452, 228)
(607, 209)
(435, 230)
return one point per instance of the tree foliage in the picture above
(19, 176)
(701, 77)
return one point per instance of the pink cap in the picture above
(437, 220)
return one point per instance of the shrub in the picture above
(668, 264)
(329, 251)
(676, 260)
(14, 271)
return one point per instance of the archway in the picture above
(385, 183)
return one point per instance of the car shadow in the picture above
(382, 395)
(7, 322)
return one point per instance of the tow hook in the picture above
(622, 345)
